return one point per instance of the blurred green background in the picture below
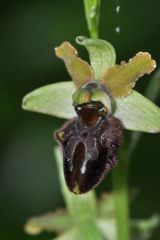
(29, 32)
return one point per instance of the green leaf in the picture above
(58, 221)
(54, 99)
(102, 54)
(79, 206)
(79, 70)
(92, 11)
(138, 113)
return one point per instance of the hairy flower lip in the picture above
(89, 152)
(103, 82)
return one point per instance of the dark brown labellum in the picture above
(90, 145)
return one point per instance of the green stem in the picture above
(120, 187)
(92, 12)
(120, 191)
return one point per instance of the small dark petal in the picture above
(89, 152)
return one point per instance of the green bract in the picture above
(135, 111)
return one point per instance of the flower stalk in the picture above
(92, 13)
(121, 200)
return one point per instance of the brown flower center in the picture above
(91, 112)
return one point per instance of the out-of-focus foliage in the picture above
(29, 32)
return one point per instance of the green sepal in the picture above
(101, 53)
(54, 99)
(135, 111)
(138, 113)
